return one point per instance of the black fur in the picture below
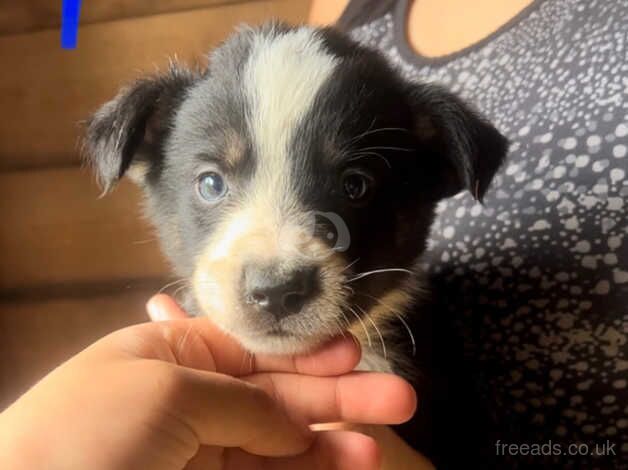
(134, 125)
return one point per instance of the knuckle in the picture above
(167, 381)
(260, 398)
(259, 402)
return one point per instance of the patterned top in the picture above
(542, 267)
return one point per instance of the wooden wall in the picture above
(74, 267)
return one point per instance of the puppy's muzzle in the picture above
(277, 290)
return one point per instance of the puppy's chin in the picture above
(278, 343)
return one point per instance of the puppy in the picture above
(293, 184)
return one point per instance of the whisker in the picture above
(141, 242)
(181, 343)
(330, 332)
(349, 265)
(348, 323)
(340, 327)
(370, 131)
(385, 129)
(366, 331)
(358, 137)
(173, 283)
(379, 333)
(378, 271)
(405, 324)
(360, 155)
(179, 289)
(243, 363)
(377, 147)
(398, 315)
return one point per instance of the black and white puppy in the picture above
(293, 183)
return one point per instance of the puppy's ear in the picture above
(465, 150)
(127, 132)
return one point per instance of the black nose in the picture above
(278, 291)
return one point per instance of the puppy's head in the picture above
(293, 183)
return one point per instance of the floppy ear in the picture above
(127, 132)
(466, 150)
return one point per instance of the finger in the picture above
(162, 307)
(338, 356)
(192, 340)
(359, 397)
(332, 451)
(226, 412)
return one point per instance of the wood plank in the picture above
(34, 15)
(58, 233)
(47, 90)
(35, 337)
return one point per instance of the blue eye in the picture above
(212, 186)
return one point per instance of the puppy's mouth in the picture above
(279, 341)
(260, 332)
(279, 332)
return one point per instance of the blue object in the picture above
(71, 11)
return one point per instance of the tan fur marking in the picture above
(393, 302)
(234, 148)
(425, 128)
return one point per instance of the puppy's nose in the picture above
(277, 291)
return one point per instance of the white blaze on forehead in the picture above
(282, 77)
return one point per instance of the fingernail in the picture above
(155, 313)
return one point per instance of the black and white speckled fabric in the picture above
(542, 267)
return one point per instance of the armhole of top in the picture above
(360, 12)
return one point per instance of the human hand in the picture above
(181, 394)
(394, 452)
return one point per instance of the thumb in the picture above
(162, 307)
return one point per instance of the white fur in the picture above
(282, 78)
(372, 361)
(137, 172)
(236, 229)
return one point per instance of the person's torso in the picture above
(541, 270)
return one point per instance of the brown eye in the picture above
(356, 185)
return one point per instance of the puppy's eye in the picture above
(356, 185)
(212, 186)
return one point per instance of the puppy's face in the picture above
(293, 183)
